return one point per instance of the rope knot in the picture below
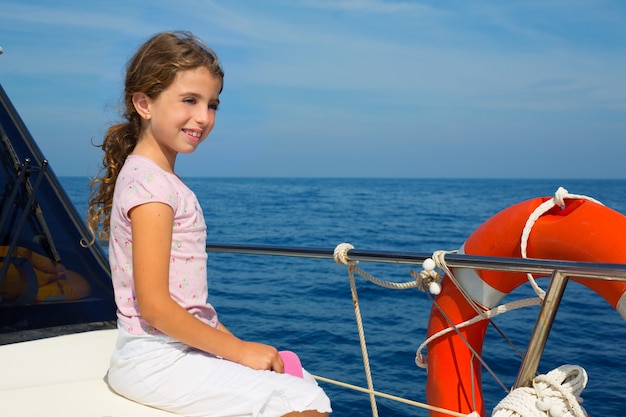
(559, 200)
(429, 278)
(340, 255)
(559, 197)
(556, 394)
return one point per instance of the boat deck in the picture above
(64, 376)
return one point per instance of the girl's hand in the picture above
(262, 357)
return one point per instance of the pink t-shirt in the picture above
(141, 181)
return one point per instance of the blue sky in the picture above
(344, 88)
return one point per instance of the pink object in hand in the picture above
(291, 362)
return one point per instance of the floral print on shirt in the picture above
(142, 181)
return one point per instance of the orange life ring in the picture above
(582, 231)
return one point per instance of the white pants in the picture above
(166, 374)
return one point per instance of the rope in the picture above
(558, 201)
(434, 269)
(469, 346)
(396, 398)
(341, 256)
(420, 360)
(431, 278)
(556, 394)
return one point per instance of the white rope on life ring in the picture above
(558, 201)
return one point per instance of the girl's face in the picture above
(180, 117)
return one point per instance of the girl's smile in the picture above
(179, 118)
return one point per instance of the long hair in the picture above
(151, 70)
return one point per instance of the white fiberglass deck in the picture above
(63, 376)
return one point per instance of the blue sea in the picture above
(305, 304)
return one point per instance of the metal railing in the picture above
(560, 271)
(592, 270)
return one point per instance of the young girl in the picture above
(172, 352)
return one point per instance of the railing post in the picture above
(540, 333)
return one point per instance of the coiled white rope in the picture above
(556, 394)
(560, 196)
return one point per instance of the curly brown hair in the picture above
(151, 70)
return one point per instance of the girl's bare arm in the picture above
(152, 241)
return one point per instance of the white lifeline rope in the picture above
(341, 257)
(558, 201)
(556, 394)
